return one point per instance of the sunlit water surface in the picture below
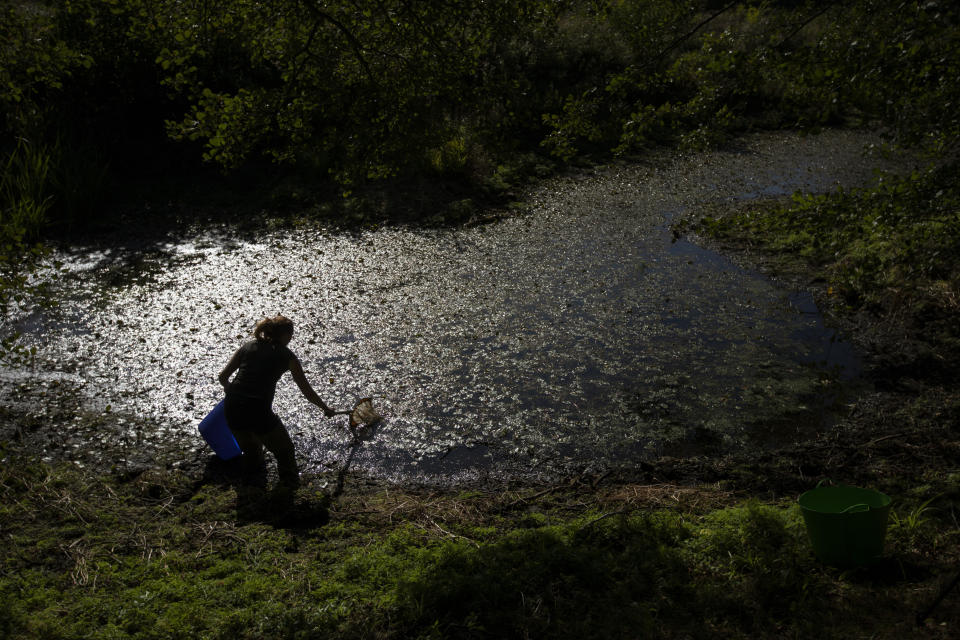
(577, 335)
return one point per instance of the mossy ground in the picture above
(696, 548)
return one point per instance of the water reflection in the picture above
(575, 335)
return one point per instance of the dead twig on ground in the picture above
(887, 437)
(526, 499)
(451, 534)
(609, 514)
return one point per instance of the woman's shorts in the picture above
(250, 414)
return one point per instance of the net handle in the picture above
(347, 412)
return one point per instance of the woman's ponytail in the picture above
(273, 329)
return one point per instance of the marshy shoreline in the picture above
(705, 545)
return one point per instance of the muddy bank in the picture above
(580, 337)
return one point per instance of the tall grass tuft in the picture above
(24, 192)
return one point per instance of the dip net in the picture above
(363, 414)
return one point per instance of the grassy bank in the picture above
(164, 554)
(886, 256)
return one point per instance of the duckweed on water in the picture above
(578, 334)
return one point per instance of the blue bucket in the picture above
(215, 431)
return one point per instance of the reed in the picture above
(24, 191)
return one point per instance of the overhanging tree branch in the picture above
(355, 43)
(823, 10)
(676, 43)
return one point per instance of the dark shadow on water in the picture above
(830, 351)
(457, 459)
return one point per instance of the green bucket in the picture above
(846, 525)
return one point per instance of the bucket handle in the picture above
(857, 508)
(830, 483)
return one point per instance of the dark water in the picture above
(575, 335)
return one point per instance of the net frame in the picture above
(364, 414)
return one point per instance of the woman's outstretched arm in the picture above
(296, 370)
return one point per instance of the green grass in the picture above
(164, 555)
(890, 250)
(24, 192)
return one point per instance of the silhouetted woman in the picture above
(259, 365)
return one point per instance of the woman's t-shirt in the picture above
(261, 366)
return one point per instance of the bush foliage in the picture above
(346, 94)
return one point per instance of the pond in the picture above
(575, 335)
